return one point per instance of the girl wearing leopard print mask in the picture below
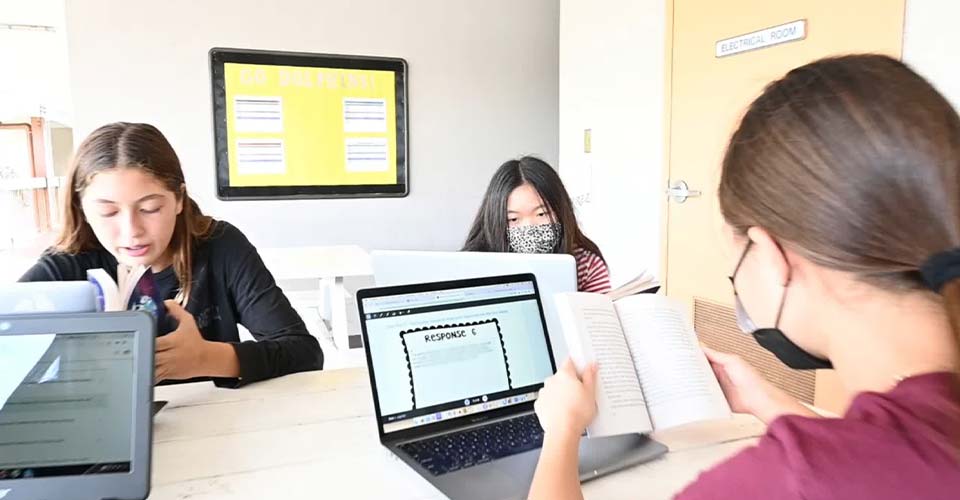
(526, 209)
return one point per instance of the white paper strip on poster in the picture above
(797, 30)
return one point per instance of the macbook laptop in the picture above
(75, 406)
(455, 368)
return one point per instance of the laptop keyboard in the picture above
(459, 450)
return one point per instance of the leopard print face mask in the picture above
(542, 238)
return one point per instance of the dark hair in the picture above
(143, 147)
(853, 162)
(489, 230)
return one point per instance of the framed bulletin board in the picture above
(300, 125)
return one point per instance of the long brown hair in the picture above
(140, 146)
(853, 162)
(489, 230)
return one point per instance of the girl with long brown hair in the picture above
(841, 193)
(126, 202)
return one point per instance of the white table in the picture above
(312, 436)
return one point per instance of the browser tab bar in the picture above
(441, 297)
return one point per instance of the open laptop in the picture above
(555, 273)
(75, 395)
(455, 368)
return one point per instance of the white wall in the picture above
(612, 82)
(33, 62)
(483, 88)
(931, 41)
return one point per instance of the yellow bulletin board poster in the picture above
(299, 125)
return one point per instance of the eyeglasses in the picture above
(739, 263)
(743, 319)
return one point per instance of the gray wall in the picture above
(483, 88)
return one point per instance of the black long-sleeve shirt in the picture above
(231, 285)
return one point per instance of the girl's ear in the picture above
(771, 253)
(181, 196)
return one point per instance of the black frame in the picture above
(432, 287)
(219, 56)
(503, 352)
(133, 484)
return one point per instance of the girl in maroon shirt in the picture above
(841, 193)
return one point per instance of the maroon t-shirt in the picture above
(902, 444)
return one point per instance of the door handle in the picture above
(679, 191)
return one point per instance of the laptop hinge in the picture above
(458, 429)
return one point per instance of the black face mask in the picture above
(773, 339)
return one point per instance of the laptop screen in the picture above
(66, 404)
(450, 353)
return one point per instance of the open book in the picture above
(135, 290)
(652, 374)
(644, 283)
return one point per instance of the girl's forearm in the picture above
(557, 476)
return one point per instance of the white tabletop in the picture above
(313, 436)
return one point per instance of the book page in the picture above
(123, 275)
(593, 333)
(127, 280)
(638, 284)
(676, 377)
(108, 294)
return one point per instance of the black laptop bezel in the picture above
(443, 426)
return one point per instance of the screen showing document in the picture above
(452, 353)
(66, 404)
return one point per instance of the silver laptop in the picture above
(455, 368)
(75, 394)
(555, 273)
(48, 296)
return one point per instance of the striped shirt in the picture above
(592, 274)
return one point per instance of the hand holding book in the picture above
(567, 403)
(748, 392)
(652, 372)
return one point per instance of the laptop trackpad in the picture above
(510, 477)
(490, 481)
(600, 456)
(519, 469)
